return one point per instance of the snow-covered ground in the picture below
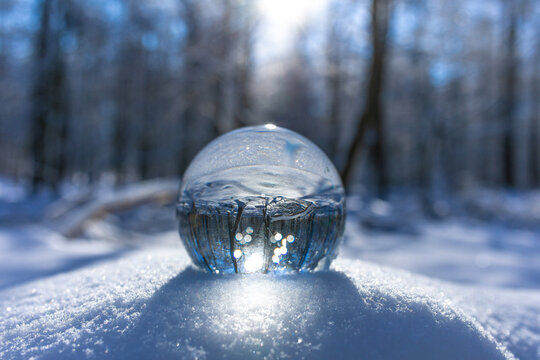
(457, 250)
(452, 289)
(153, 304)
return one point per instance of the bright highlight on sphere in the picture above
(261, 199)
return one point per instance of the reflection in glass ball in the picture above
(261, 199)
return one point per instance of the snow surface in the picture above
(32, 251)
(473, 292)
(456, 250)
(153, 304)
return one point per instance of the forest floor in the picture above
(402, 286)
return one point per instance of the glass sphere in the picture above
(261, 199)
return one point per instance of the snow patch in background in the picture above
(457, 250)
(32, 251)
(11, 191)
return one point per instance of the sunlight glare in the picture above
(289, 14)
(254, 262)
(252, 305)
(280, 21)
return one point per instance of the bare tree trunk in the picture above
(190, 84)
(244, 72)
(50, 113)
(146, 134)
(60, 106)
(39, 101)
(421, 94)
(372, 117)
(535, 123)
(334, 87)
(509, 98)
(487, 169)
(121, 123)
(221, 71)
(244, 107)
(379, 153)
(120, 133)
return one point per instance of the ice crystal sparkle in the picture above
(261, 199)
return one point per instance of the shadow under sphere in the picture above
(311, 315)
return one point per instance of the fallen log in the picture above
(72, 223)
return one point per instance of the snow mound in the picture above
(153, 304)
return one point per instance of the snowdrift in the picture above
(153, 304)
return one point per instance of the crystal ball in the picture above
(261, 199)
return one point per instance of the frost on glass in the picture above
(261, 199)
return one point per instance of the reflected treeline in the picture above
(434, 95)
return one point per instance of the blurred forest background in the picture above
(429, 95)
